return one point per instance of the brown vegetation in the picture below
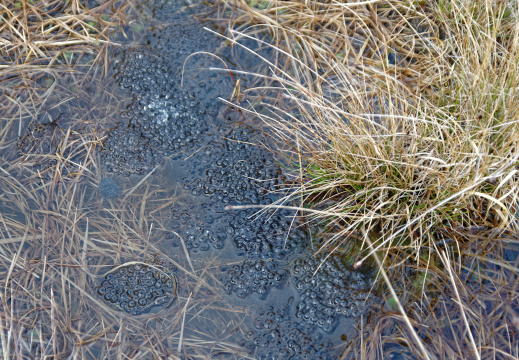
(398, 123)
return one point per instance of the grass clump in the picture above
(400, 118)
(398, 127)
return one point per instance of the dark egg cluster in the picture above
(171, 121)
(47, 145)
(254, 276)
(271, 235)
(198, 237)
(126, 151)
(328, 288)
(276, 337)
(182, 37)
(187, 35)
(143, 70)
(138, 287)
(241, 172)
(244, 173)
(201, 229)
(162, 118)
(190, 48)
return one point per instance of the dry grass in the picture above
(49, 32)
(58, 241)
(461, 310)
(58, 238)
(404, 150)
(398, 124)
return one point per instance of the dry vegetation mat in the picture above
(40, 32)
(398, 124)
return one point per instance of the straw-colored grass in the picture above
(398, 126)
(50, 32)
(58, 238)
(461, 310)
(399, 150)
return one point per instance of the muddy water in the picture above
(228, 283)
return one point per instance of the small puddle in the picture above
(164, 157)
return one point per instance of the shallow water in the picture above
(173, 157)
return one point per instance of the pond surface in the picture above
(171, 270)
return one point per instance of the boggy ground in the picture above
(116, 241)
(129, 203)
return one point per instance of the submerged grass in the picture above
(463, 309)
(398, 127)
(58, 238)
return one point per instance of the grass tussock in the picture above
(398, 126)
(399, 118)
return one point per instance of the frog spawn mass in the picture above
(271, 235)
(244, 173)
(186, 43)
(254, 276)
(277, 337)
(236, 172)
(200, 228)
(241, 172)
(138, 287)
(198, 237)
(162, 119)
(328, 289)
